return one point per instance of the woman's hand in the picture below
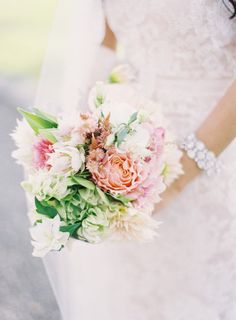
(190, 172)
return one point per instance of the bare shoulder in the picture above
(109, 40)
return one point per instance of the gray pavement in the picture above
(25, 293)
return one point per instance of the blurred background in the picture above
(25, 293)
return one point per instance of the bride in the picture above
(184, 56)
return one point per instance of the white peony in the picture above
(120, 112)
(137, 142)
(118, 100)
(66, 159)
(133, 225)
(24, 138)
(46, 236)
(94, 227)
(44, 185)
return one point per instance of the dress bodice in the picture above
(184, 52)
(176, 38)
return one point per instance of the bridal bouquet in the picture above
(95, 176)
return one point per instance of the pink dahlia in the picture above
(41, 151)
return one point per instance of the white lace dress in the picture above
(185, 54)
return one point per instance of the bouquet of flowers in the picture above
(97, 175)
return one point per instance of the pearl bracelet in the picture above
(205, 159)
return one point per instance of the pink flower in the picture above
(94, 158)
(117, 173)
(157, 140)
(152, 182)
(41, 151)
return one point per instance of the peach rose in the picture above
(118, 173)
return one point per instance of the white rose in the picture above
(137, 142)
(46, 236)
(45, 185)
(66, 159)
(120, 112)
(118, 100)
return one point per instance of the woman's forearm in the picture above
(217, 132)
(219, 129)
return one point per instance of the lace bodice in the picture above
(184, 47)
(176, 38)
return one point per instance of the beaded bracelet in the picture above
(205, 159)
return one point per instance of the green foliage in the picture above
(133, 117)
(45, 116)
(121, 134)
(125, 129)
(70, 228)
(37, 122)
(103, 196)
(125, 201)
(47, 134)
(45, 209)
(82, 182)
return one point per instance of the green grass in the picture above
(24, 27)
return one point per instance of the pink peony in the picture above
(41, 151)
(117, 173)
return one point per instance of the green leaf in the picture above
(120, 198)
(46, 210)
(36, 122)
(85, 194)
(45, 116)
(70, 228)
(103, 196)
(46, 133)
(120, 136)
(83, 182)
(133, 117)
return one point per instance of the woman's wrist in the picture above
(190, 169)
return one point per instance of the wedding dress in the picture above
(184, 54)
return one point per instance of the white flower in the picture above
(120, 112)
(143, 116)
(24, 138)
(122, 74)
(94, 227)
(46, 236)
(118, 100)
(130, 224)
(72, 126)
(137, 142)
(97, 97)
(66, 159)
(172, 165)
(45, 185)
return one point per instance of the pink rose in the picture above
(117, 173)
(41, 151)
